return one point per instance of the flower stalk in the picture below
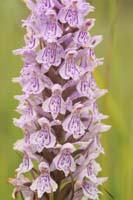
(58, 108)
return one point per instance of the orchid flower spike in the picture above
(59, 115)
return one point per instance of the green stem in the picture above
(33, 175)
(72, 185)
(52, 195)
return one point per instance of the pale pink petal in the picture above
(64, 162)
(72, 124)
(43, 139)
(90, 190)
(25, 166)
(44, 183)
(46, 105)
(95, 40)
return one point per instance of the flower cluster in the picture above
(59, 115)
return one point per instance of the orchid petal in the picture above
(25, 166)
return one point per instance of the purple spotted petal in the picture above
(70, 69)
(90, 190)
(73, 125)
(64, 162)
(92, 170)
(44, 5)
(31, 43)
(70, 16)
(44, 183)
(51, 30)
(73, 12)
(55, 104)
(51, 55)
(25, 166)
(43, 138)
(82, 37)
(84, 88)
(34, 85)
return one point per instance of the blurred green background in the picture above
(114, 21)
